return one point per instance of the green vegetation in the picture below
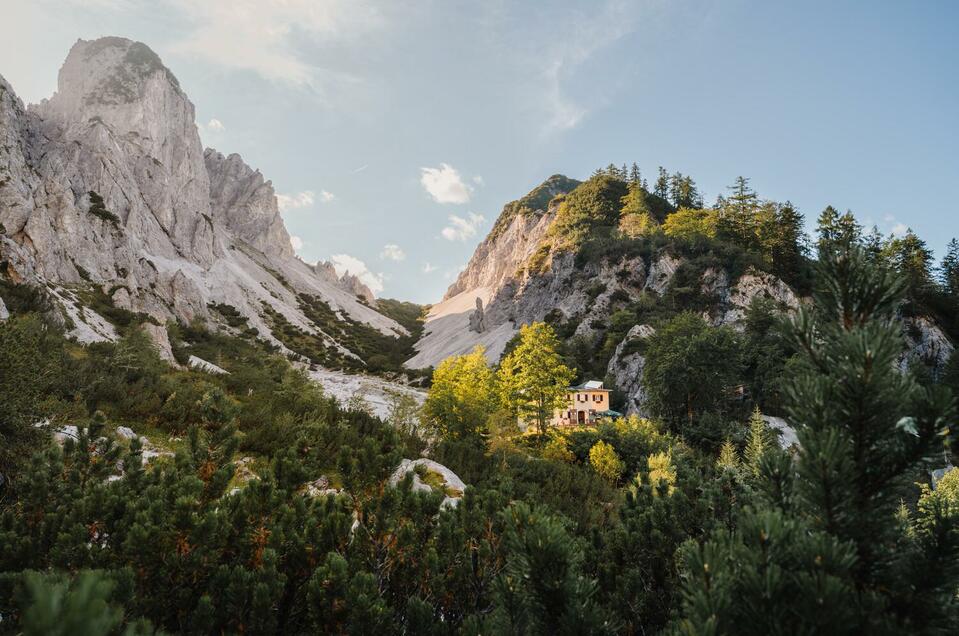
(98, 209)
(532, 377)
(692, 521)
(376, 351)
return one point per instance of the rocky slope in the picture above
(514, 278)
(106, 188)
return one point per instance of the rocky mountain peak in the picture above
(245, 203)
(98, 76)
(106, 192)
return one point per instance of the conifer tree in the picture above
(757, 442)
(634, 175)
(533, 379)
(908, 253)
(728, 455)
(949, 270)
(829, 552)
(662, 184)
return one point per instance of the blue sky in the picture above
(396, 131)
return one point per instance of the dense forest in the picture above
(695, 520)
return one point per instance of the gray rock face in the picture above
(246, 204)
(926, 344)
(626, 367)
(478, 318)
(161, 340)
(106, 184)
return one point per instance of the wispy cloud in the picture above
(296, 242)
(444, 184)
(571, 44)
(344, 263)
(294, 201)
(428, 268)
(215, 125)
(326, 196)
(392, 252)
(461, 228)
(262, 37)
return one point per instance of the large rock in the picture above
(161, 341)
(926, 344)
(626, 367)
(453, 486)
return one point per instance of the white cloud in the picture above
(478, 180)
(899, 229)
(258, 36)
(461, 229)
(344, 263)
(444, 184)
(293, 201)
(567, 51)
(428, 269)
(297, 243)
(215, 125)
(393, 252)
(326, 196)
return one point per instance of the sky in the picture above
(394, 132)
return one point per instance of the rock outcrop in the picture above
(450, 485)
(106, 185)
(626, 368)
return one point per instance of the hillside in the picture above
(607, 262)
(109, 205)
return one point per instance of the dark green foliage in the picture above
(31, 363)
(827, 548)
(691, 369)
(99, 210)
(536, 201)
(377, 351)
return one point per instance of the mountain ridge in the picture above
(106, 185)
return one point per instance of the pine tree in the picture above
(908, 254)
(728, 455)
(635, 176)
(662, 184)
(737, 215)
(843, 561)
(533, 379)
(949, 270)
(757, 443)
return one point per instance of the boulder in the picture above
(452, 485)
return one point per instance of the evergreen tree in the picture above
(728, 455)
(757, 443)
(909, 255)
(837, 232)
(634, 175)
(533, 379)
(830, 551)
(662, 184)
(949, 270)
(683, 192)
(542, 589)
(737, 216)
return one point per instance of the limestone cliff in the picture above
(106, 185)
